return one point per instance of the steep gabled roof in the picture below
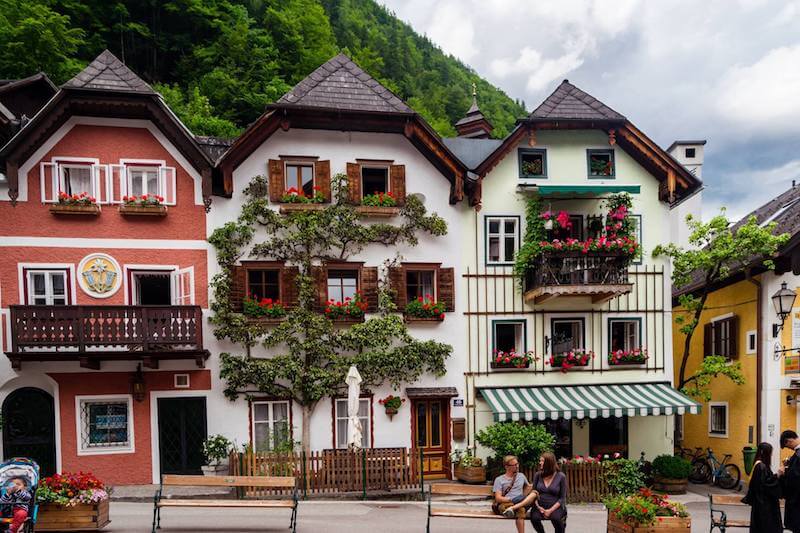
(107, 73)
(568, 102)
(341, 84)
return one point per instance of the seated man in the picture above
(513, 494)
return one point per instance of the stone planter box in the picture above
(143, 210)
(670, 485)
(216, 470)
(67, 209)
(78, 518)
(412, 319)
(285, 209)
(470, 474)
(662, 524)
(377, 211)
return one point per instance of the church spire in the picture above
(474, 124)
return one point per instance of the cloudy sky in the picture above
(722, 70)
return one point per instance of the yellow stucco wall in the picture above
(739, 299)
(790, 367)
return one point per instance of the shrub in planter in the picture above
(671, 474)
(467, 467)
(623, 476)
(217, 449)
(526, 441)
(425, 307)
(264, 308)
(645, 508)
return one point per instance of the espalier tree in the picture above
(715, 249)
(311, 353)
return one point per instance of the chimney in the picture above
(474, 125)
(690, 154)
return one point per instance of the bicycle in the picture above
(710, 469)
(688, 454)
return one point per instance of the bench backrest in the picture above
(278, 482)
(722, 499)
(461, 490)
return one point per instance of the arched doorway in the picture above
(29, 427)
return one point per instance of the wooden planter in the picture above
(347, 320)
(143, 210)
(626, 363)
(670, 485)
(265, 321)
(79, 518)
(377, 211)
(411, 319)
(662, 524)
(509, 366)
(71, 209)
(285, 209)
(470, 474)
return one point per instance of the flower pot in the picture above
(75, 209)
(143, 210)
(662, 524)
(470, 474)
(84, 517)
(391, 411)
(670, 485)
(220, 469)
(286, 209)
(376, 211)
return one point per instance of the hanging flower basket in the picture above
(392, 404)
(567, 360)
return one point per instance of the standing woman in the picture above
(552, 503)
(763, 494)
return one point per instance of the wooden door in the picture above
(431, 434)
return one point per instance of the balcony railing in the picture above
(94, 333)
(599, 275)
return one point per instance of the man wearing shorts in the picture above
(513, 494)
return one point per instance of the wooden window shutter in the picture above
(397, 175)
(733, 332)
(369, 288)
(708, 341)
(397, 283)
(320, 276)
(238, 286)
(447, 288)
(277, 181)
(289, 289)
(354, 182)
(322, 178)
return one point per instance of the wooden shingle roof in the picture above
(570, 103)
(108, 73)
(341, 84)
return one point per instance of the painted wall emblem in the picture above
(99, 275)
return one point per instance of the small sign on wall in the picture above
(458, 402)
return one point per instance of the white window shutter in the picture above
(100, 184)
(168, 185)
(183, 280)
(118, 183)
(49, 182)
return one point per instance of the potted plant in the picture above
(644, 512)
(512, 359)
(425, 309)
(637, 356)
(217, 449)
(392, 404)
(75, 204)
(350, 309)
(70, 501)
(671, 474)
(567, 360)
(146, 204)
(263, 308)
(467, 467)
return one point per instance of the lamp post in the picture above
(782, 301)
(137, 385)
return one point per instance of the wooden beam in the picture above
(150, 362)
(89, 362)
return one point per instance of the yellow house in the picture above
(740, 322)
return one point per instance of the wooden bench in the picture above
(721, 520)
(160, 501)
(456, 489)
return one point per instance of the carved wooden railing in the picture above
(577, 268)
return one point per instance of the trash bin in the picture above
(749, 455)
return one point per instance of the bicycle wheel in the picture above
(729, 477)
(701, 471)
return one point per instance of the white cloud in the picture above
(453, 32)
(743, 191)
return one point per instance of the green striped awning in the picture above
(587, 401)
(586, 190)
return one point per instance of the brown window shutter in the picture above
(708, 332)
(369, 288)
(447, 288)
(322, 178)
(320, 277)
(354, 182)
(277, 182)
(397, 174)
(733, 345)
(238, 286)
(397, 283)
(289, 289)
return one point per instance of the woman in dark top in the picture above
(763, 493)
(552, 502)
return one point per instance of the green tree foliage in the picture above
(240, 55)
(196, 112)
(526, 441)
(715, 249)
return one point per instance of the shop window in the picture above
(106, 424)
(340, 424)
(561, 429)
(271, 429)
(502, 239)
(608, 436)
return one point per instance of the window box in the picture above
(508, 366)
(512, 360)
(412, 319)
(627, 357)
(286, 209)
(265, 321)
(348, 320)
(143, 210)
(75, 209)
(375, 211)
(573, 358)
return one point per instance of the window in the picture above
(690, 153)
(47, 287)
(502, 237)
(374, 180)
(679, 428)
(301, 177)
(752, 341)
(509, 336)
(105, 424)
(532, 163)
(601, 163)
(608, 436)
(561, 429)
(144, 180)
(271, 428)
(76, 178)
(720, 337)
(364, 415)
(567, 334)
(624, 334)
(182, 381)
(718, 419)
(342, 284)
(152, 288)
(420, 284)
(264, 284)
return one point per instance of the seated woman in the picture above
(551, 484)
(512, 493)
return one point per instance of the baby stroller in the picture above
(28, 470)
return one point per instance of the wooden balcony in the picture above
(91, 334)
(598, 275)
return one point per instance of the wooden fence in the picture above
(585, 482)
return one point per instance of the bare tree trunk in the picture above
(306, 433)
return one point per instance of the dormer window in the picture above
(601, 163)
(532, 163)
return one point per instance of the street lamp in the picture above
(783, 300)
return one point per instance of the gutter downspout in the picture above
(759, 353)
